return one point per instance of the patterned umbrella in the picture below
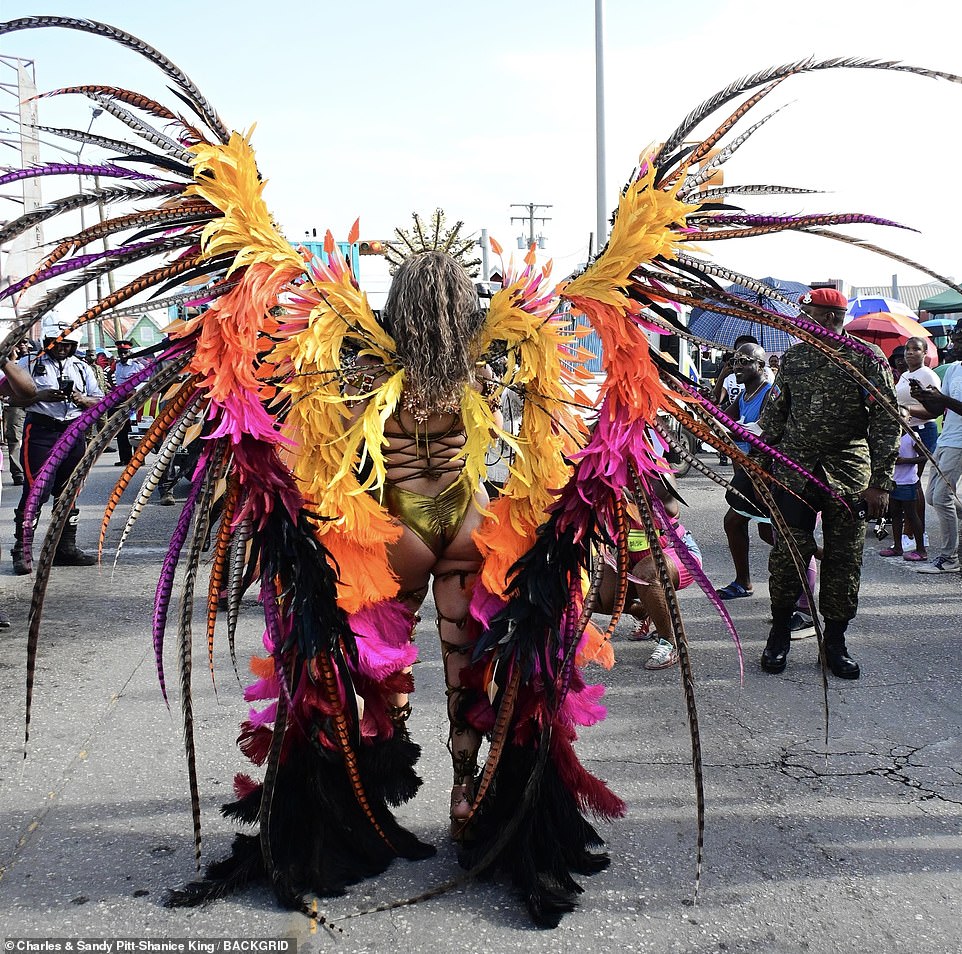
(724, 329)
(872, 306)
(888, 331)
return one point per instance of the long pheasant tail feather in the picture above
(325, 669)
(165, 584)
(198, 102)
(56, 207)
(235, 581)
(217, 574)
(171, 410)
(621, 591)
(211, 466)
(164, 457)
(126, 96)
(684, 660)
(499, 739)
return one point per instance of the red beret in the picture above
(824, 298)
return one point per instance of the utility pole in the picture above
(531, 218)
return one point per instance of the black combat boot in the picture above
(775, 656)
(68, 553)
(16, 551)
(836, 653)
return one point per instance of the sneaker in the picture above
(941, 564)
(4, 621)
(642, 631)
(665, 655)
(802, 625)
(167, 500)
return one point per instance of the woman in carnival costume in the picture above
(353, 464)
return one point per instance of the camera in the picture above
(66, 386)
(860, 509)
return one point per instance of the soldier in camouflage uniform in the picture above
(825, 421)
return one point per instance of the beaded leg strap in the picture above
(399, 714)
(463, 740)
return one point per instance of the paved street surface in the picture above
(854, 846)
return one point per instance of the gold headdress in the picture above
(433, 236)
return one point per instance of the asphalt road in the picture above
(855, 846)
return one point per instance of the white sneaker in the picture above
(941, 564)
(665, 655)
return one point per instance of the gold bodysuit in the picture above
(436, 520)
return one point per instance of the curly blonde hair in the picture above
(433, 313)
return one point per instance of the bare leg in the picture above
(650, 596)
(912, 519)
(454, 576)
(605, 601)
(736, 529)
(897, 512)
(920, 511)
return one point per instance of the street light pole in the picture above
(601, 207)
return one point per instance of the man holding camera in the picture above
(66, 387)
(826, 421)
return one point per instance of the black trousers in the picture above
(37, 445)
(124, 450)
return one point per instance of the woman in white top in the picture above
(919, 419)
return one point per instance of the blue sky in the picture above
(377, 109)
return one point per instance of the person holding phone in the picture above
(65, 388)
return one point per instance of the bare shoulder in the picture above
(361, 373)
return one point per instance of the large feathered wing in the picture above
(260, 363)
(533, 586)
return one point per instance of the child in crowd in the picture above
(902, 507)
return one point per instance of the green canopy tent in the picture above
(944, 303)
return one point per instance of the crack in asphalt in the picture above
(894, 771)
(792, 763)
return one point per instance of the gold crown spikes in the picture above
(433, 236)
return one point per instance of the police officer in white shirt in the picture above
(125, 369)
(66, 387)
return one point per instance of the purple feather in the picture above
(830, 218)
(278, 632)
(813, 328)
(110, 171)
(706, 585)
(68, 440)
(755, 441)
(165, 583)
(79, 261)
